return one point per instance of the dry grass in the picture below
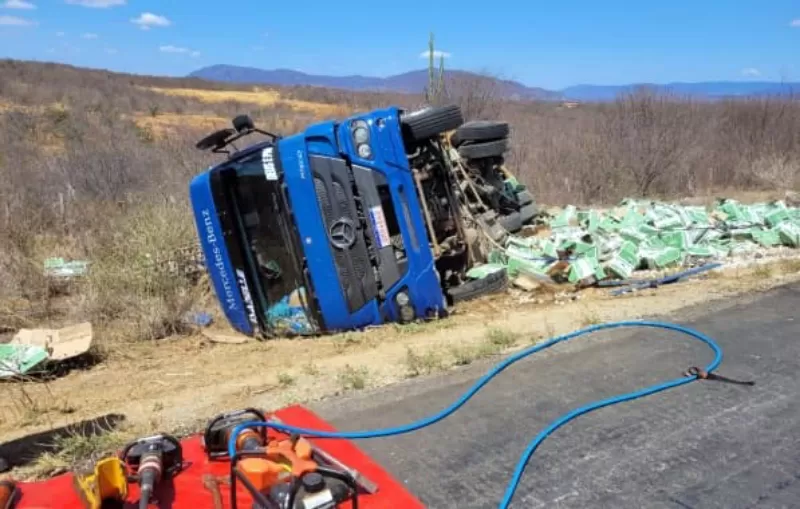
(75, 451)
(286, 379)
(590, 317)
(790, 266)
(261, 97)
(501, 338)
(130, 288)
(424, 364)
(353, 378)
(763, 271)
(168, 123)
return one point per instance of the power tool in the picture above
(105, 486)
(9, 494)
(285, 475)
(217, 434)
(151, 460)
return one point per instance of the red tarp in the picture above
(187, 491)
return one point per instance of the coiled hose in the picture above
(485, 379)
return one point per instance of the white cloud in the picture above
(60, 34)
(169, 48)
(18, 4)
(436, 54)
(751, 72)
(96, 4)
(795, 23)
(147, 20)
(14, 21)
(173, 49)
(111, 51)
(258, 48)
(89, 36)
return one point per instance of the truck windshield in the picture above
(275, 265)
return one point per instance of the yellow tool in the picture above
(107, 482)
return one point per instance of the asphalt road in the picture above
(703, 445)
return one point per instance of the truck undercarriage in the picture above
(468, 196)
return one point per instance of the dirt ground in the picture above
(178, 384)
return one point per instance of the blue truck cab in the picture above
(329, 229)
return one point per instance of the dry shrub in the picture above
(478, 95)
(131, 284)
(651, 144)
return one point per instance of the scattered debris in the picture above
(61, 344)
(16, 360)
(655, 283)
(230, 339)
(587, 246)
(30, 348)
(62, 269)
(288, 316)
(198, 318)
(482, 271)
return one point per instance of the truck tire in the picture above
(5, 466)
(494, 148)
(479, 130)
(432, 121)
(528, 212)
(475, 288)
(512, 222)
(524, 198)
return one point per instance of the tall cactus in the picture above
(434, 92)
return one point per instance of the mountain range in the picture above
(415, 82)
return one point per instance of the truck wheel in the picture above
(432, 121)
(524, 198)
(528, 212)
(475, 288)
(480, 150)
(479, 130)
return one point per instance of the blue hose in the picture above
(520, 468)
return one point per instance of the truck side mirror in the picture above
(243, 123)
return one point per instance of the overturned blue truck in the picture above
(354, 222)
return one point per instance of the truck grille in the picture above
(352, 264)
(327, 210)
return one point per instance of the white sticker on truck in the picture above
(268, 162)
(379, 226)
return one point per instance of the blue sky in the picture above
(548, 44)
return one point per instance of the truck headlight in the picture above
(360, 133)
(404, 308)
(364, 151)
(402, 299)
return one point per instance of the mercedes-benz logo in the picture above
(343, 233)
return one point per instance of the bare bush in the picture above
(650, 136)
(479, 96)
(130, 284)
